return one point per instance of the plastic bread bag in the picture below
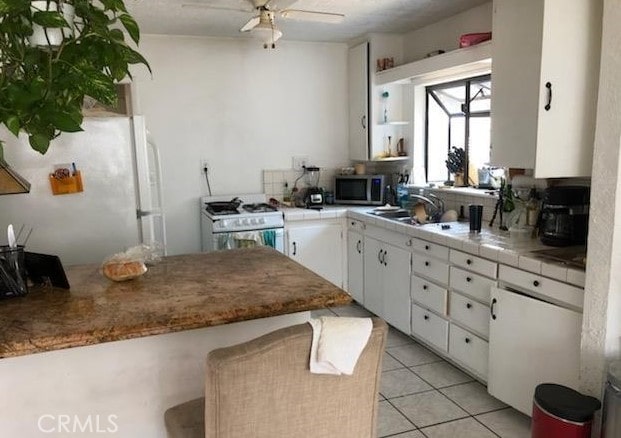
(126, 265)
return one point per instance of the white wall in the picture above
(601, 328)
(445, 34)
(243, 109)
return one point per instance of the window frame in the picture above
(466, 82)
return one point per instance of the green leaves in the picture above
(131, 27)
(42, 88)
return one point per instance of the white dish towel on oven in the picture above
(337, 343)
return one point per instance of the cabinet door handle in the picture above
(379, 256)
(295, 248)
(424, 287)
(549, 104)
(468, 306)
(467, 340)
(363, 122)
(468, 279)
(384, 258)
(426, 317)
(427, 247)
(408, 243)
(426, 263)
(468, 262)
(491, 308)
(358, 247)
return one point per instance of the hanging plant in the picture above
(53, 54)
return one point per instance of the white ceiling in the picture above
(361, 17)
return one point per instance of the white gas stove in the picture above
(240, 221)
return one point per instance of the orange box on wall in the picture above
(67, 185)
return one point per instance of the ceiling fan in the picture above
(262, 26)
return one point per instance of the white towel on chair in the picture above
(337, 343)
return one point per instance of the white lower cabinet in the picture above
(531, 342)
(387, 282)
(469, 350)
(319, 247)
(430, 327)
(355, 265)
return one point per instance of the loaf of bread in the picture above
(123, 270)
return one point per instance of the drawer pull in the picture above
(468, 279)
(427, 247)
(536, 283)
(424, 287)
(426, 263)
(491, 308)
(353, 223)
(467, 340)
(468, 306)
(426, 317)
(468, 262)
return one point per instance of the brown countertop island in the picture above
(179, 293)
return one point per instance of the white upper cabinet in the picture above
(358, 74)
(544, 85)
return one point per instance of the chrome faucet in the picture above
(436, 204)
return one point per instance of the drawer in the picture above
(469, 349)
(545, 288)
(355, 224)
(432, 249)
(430, 327)
(474, 263)
(428, 294)
(430, 267)
(471, 284)
(470, 313)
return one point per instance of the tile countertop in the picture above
(491, 244)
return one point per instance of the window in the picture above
(458, 115)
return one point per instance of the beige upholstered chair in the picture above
(264, 389)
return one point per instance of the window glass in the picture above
(458, 115)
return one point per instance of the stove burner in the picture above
(221, 208)
(259, 208)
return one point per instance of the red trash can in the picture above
(561, 412)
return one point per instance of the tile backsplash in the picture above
(455, 198)
(274, 180)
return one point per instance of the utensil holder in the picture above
(69, 184)
(12, 272)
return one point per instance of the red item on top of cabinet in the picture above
(472, 39)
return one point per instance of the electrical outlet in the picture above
(299, 161)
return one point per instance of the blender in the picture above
(314, 194)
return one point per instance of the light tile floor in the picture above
(422, 395)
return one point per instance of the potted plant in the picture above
(456, 164)
(53, 54)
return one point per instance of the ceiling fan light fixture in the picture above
(267, 34)
(323, 17)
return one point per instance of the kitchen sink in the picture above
(392, 214)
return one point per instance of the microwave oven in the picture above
(359, 189)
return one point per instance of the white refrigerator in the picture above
(121, 202)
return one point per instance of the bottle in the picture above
(532, 207)
(286, 195)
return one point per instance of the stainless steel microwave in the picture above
(359, 189)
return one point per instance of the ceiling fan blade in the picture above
(250, 24)
(277, 5)
(221, 8)
(323, 17)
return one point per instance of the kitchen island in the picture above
(122, 376)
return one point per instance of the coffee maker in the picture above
(565, 216)
(314, 194)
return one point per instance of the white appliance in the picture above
(121, 205)
(237, 221)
